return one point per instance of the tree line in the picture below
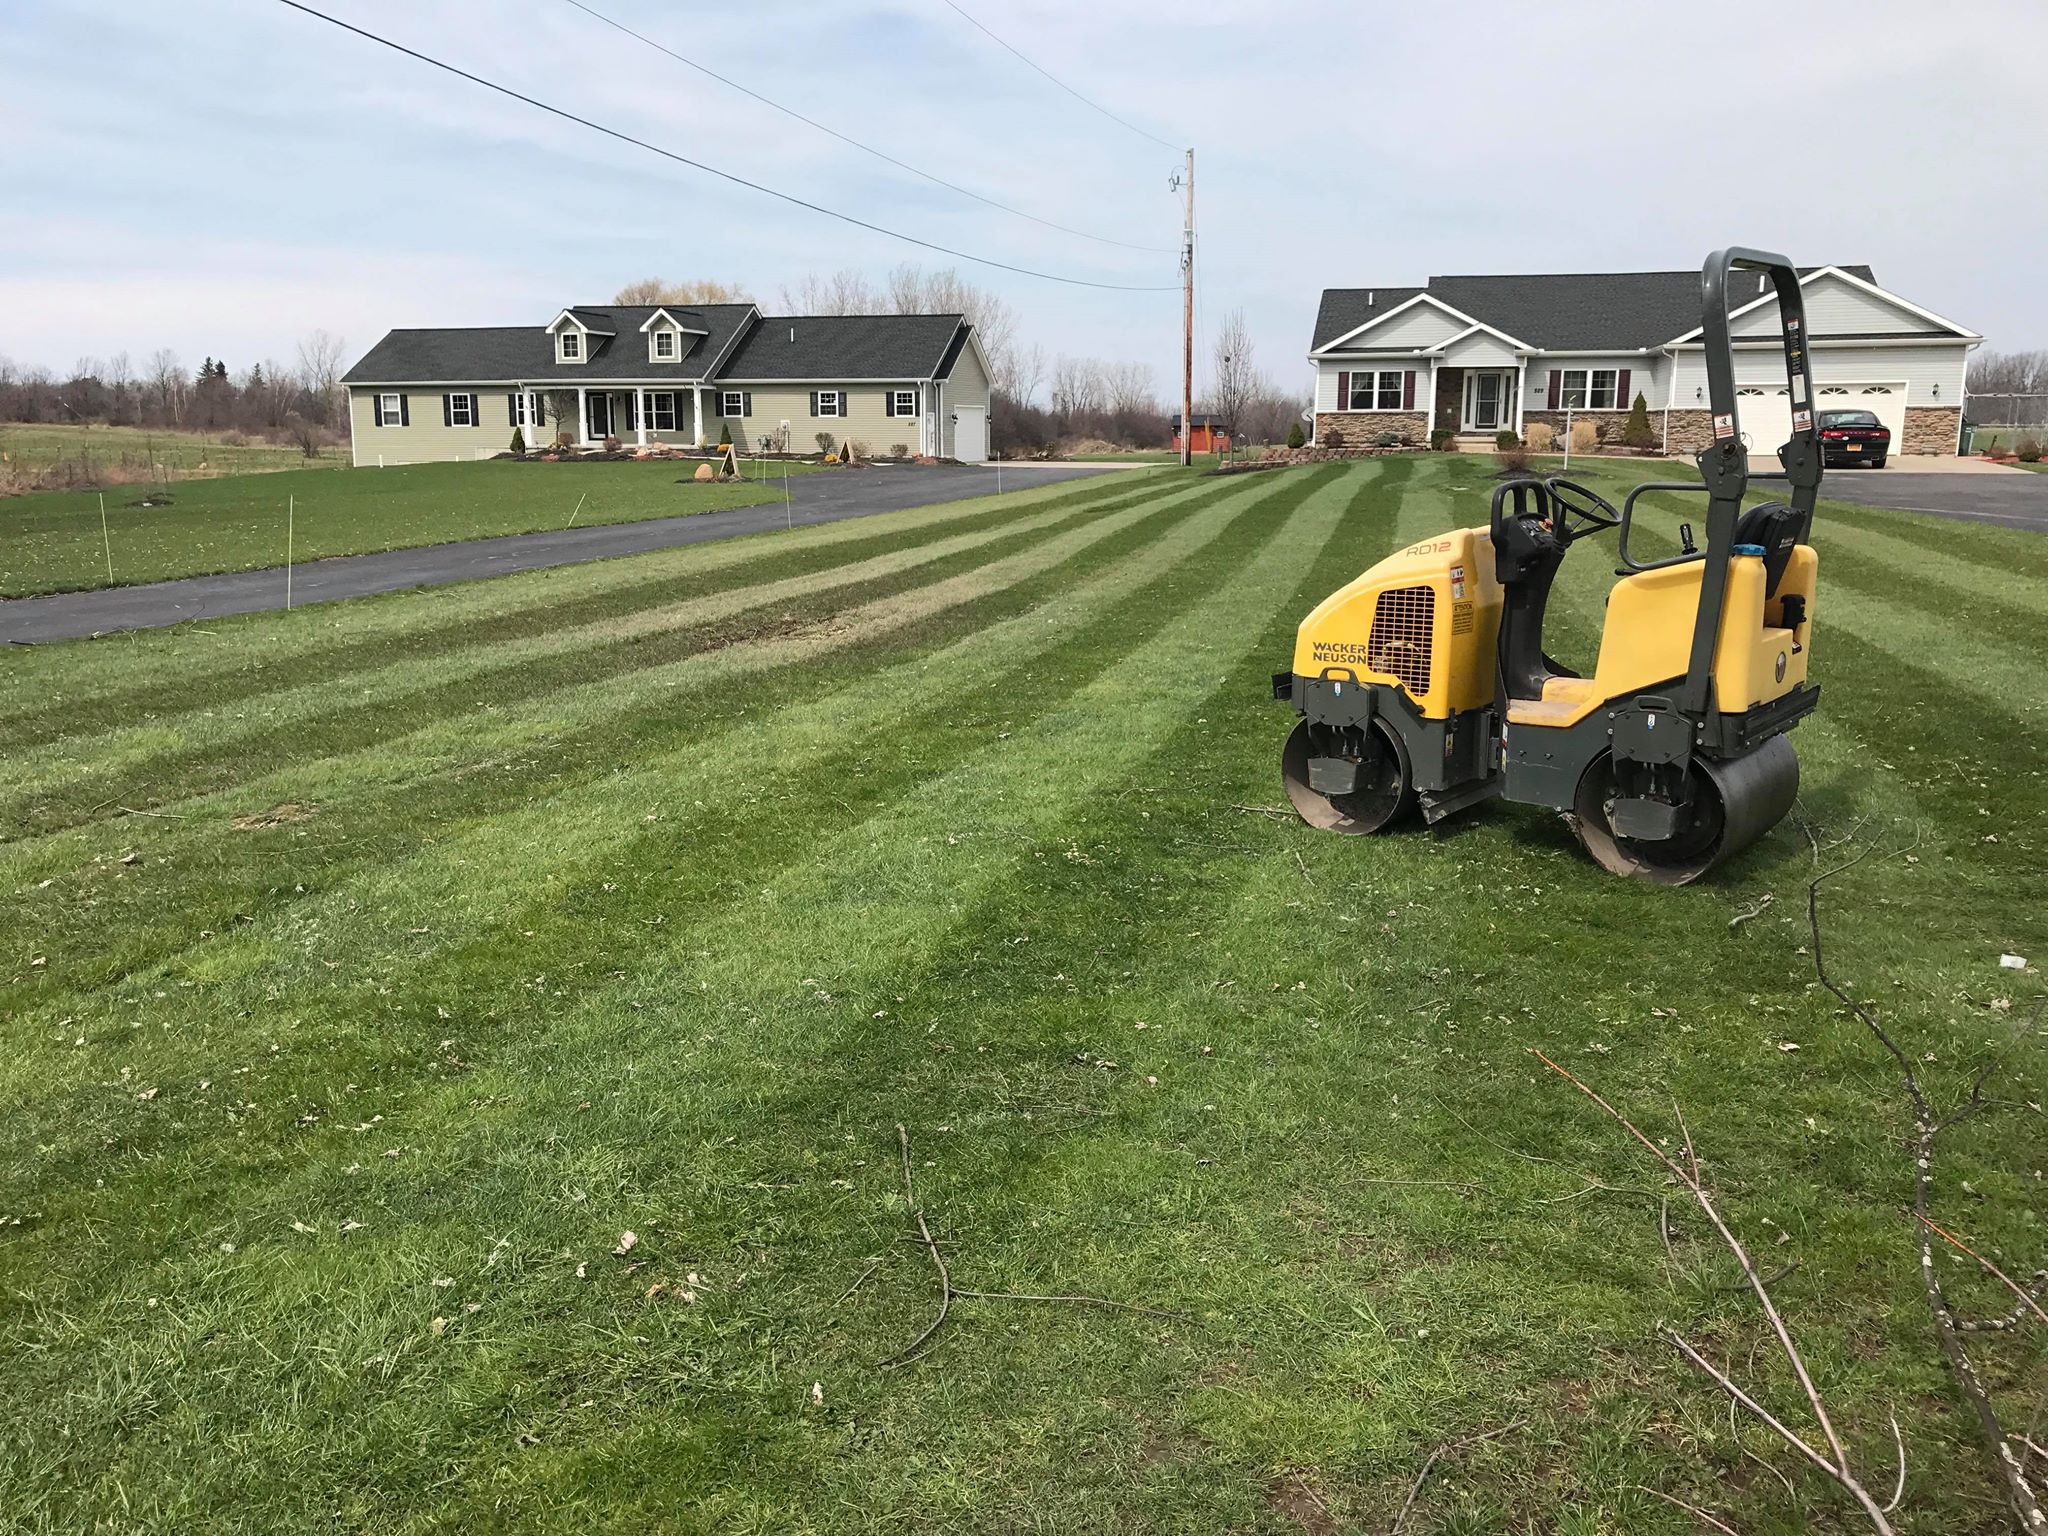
(2008, 389)
(301, 401)
(1038, 404)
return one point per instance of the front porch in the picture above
(636, 415)
(1477, 400)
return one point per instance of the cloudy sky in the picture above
(221, 176)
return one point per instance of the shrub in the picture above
(1388, 439)
(564, 442)
(518, 441)
(725, 435)
(1440, 438)
(1513, 455)
(1638, 433)
(856, 449)
(899, 450)
(1506, 439)
(2029, 450)
(826, 442)
(1584, 438)
(611, 444)
(1295, 436)
(1333, 438)
(1541, 436)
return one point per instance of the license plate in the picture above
(1854, 447)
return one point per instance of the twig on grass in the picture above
(1691, 1509)
(1836, 1464)
(858, 1283)
(1448, 1448)
(949, 1292)
(2023, 1500)
(2016, 1316)
(1265, 810)
(129, 810)
(2026, 1301)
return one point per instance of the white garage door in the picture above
(970, 434)
(1886, 401)
(1765, 411)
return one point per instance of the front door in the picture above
(600, 426)
(1484, 398)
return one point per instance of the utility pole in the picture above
(1187, 322)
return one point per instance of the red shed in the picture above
(1211, 434)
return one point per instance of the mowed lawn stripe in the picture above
(494, 724)
(110, 680)
(143, 764)
(582, 823)
(381, 805)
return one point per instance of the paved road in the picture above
(818, 498)
(2018, 499)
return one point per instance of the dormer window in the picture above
(571, 345)
(664, 346)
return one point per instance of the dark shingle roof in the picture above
(1555, 311)
(829, 347)
(523, 353)
(959, 345)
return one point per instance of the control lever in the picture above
(1685, 543)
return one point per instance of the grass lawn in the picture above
(50, 541)
(173, 455)
(370, 971)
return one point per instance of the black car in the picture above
(1853, 437)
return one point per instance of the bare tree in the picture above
(698, 290)
(2009, 388)
(1236, 375)
(168, 383)
(320, 356)
(845, 292)
(1020, 373)
(1126, 386)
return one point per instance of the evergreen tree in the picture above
(1637, 432)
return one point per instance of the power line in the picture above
(1056, 80)
(849, 139)
(712, 170)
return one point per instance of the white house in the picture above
(1483, 354)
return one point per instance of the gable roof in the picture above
(522, 354)
(829, 348)
(1556, 312)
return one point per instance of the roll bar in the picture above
(1724, 463)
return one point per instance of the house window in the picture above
(1583, 389)
(733, 403)
(1375, 391)
(903, 403)
(661, 410)
(389, 409)
(664, 344)
(572, 346)
(462, 410)
(831, 402)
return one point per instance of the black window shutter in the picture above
(1556, 387)
(447, 411)
(1343, 391)
(1622, 398)
(814, 402)
(405, 410)
(376, 410)
(1408, 389)
(512, 409)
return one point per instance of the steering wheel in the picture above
(1579, 512)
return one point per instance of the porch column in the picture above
(697, 412)
(1429, 410)
(582, 413)
(640, 414)
(1521, 392)
(533, 421)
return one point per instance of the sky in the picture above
(223, 176)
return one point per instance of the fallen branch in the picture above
(1835, 1464)
(950, 1293)
(2025, 1502)
(1448, 1448)
(2026, 1301)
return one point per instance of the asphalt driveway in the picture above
(827, 498)
(2013, 499)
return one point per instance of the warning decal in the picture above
(1457, 581)
(1724, 426)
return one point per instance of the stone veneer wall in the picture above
(1929, 429)
(1361, 429)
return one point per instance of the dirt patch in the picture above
(1295, 1497)
(282, 814)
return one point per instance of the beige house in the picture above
(672, 374)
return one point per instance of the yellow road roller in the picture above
(1425, 683)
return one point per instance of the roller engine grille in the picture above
(1403, 629)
